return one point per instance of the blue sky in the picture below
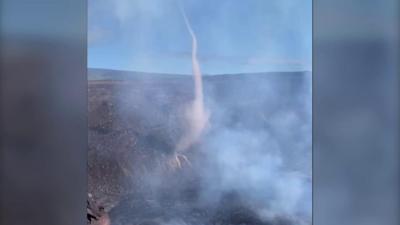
(234, 36)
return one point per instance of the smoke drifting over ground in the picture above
(260, 144)
(252, 166)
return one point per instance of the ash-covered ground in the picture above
(252, 165)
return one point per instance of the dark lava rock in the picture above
(134, 124)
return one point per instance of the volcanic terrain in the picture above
(136, 120)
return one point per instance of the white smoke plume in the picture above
(196, 114)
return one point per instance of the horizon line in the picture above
(204, 74)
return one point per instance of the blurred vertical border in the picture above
(44, 126)
(43, 112)
(356, 112)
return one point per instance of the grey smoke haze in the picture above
(257, 149)
(260, 143)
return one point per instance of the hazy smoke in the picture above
(256, 151)
(258, 144)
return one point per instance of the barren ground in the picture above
(134, 125)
